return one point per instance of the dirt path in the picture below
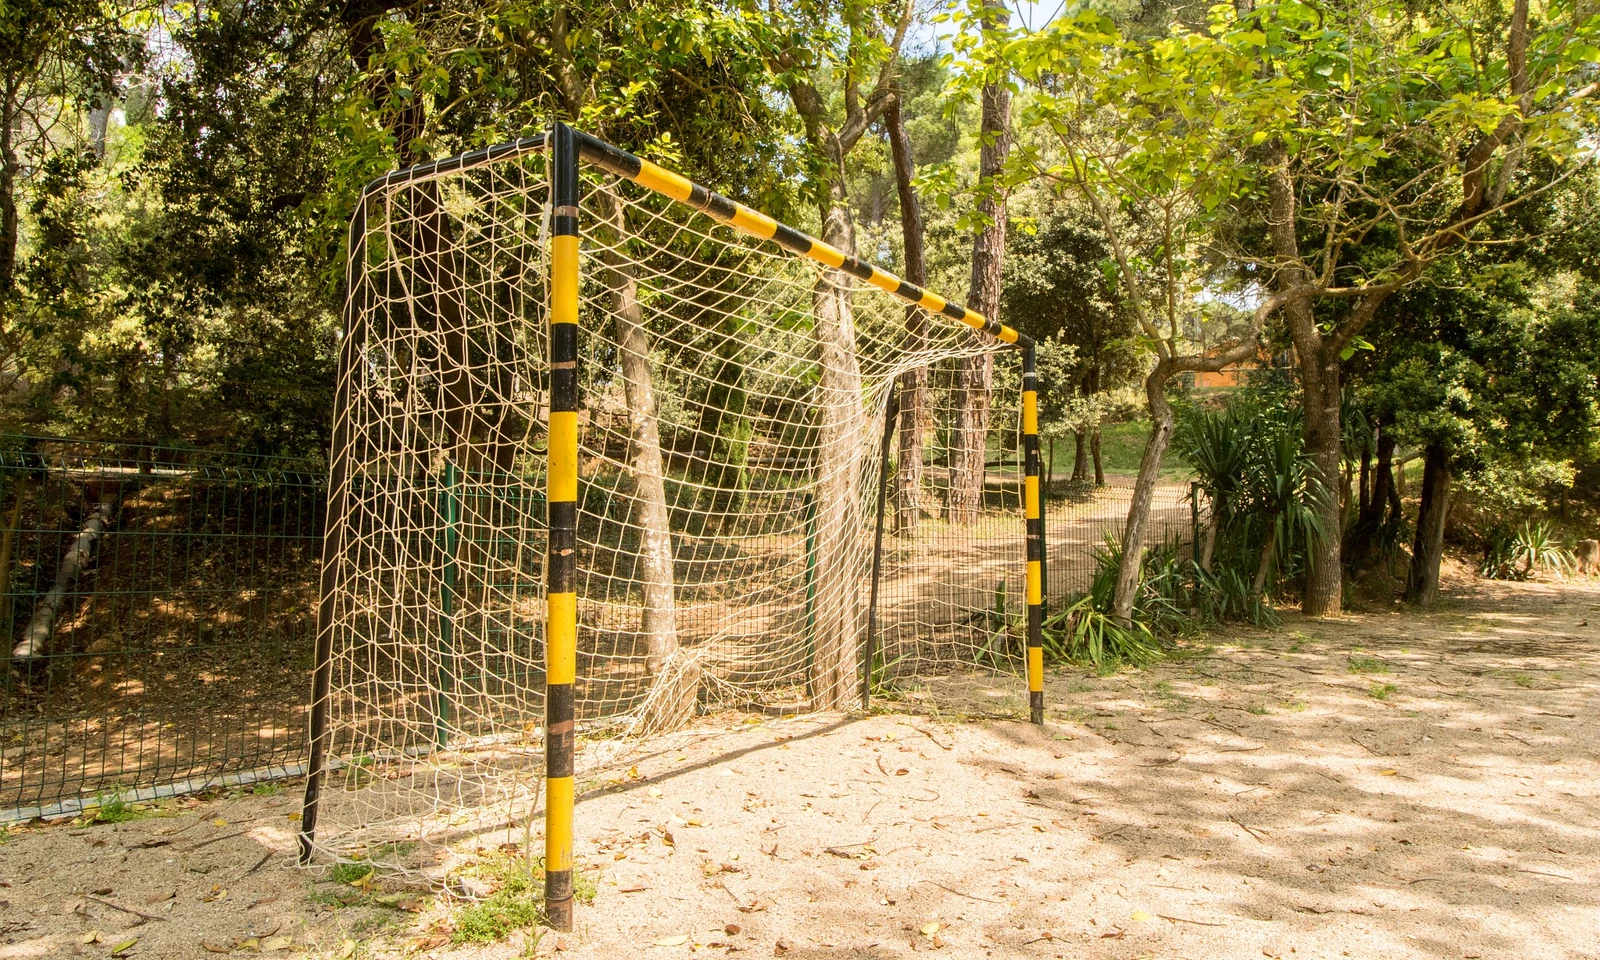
(1382, 786)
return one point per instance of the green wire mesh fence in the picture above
(158, 606)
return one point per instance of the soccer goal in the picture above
(611, 448)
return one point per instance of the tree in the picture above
(1373, 121)
(866, 44)
(57, 60)
(1134, 131)
(974, 377)
(1057, 287)
(1491, 374)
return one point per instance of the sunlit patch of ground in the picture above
(1387, 785)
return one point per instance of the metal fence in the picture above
(159, 609)
(159, 606)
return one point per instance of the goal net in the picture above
(731, 402)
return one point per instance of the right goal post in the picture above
(610, 448)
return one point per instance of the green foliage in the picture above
(350, 871)
(1364, 663)
(1533, 548)
(516, 902)
(112, 808)
(1262, 492)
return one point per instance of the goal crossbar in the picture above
(567, 148)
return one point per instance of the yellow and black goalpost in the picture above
(557, 217)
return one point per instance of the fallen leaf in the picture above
(655, 791)
(731, 929)
(677, 941)
(1387, 773)
(938, 943)
(93, 936)
(219, 822)
(250, 943)
(929, 929)
(277, 943)
(633, 888)
(124, 946)
(347, 949)
(1140, 916)
(217, 893)
(210, 947)
(781, 947)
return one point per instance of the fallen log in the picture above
(37, 637)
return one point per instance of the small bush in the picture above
(1518, 556)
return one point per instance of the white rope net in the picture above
(730, 472)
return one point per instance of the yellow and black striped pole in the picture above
(659, 179)
(1033, 511)
(561, 489)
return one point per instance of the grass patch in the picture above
(1382, 691)
(1121, 447)
(114, 809)
(1295, 706)
(1361, 663)
(350, 872)
(1259, 709)
(517, 902)
(266, 788)
(1522, 680)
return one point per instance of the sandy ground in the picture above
(1386, 785)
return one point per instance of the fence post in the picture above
(561, 479)
(447, 607)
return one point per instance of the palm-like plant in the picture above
(1263, 490)
(1217, 448)
(1285, 490)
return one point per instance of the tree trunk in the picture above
(8, 190)
(914, 382)
(1422, 584)
(1050, 461)
(1264, 567)
(1320, 376)
(36, 638)
(8, 544)
(1319, 383)
(659, 619)
(1364, 495)
(1359, 544)
(1213, 530)
(1144, 490)
(1080, 456)
(840, 425)
(1099, 462)
(975, 375)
